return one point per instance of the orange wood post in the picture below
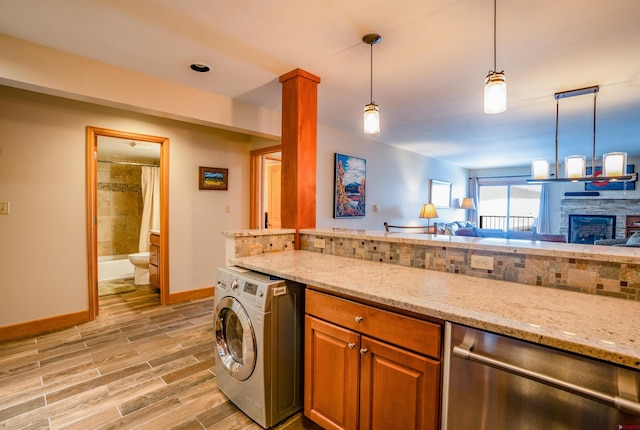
(299, 141)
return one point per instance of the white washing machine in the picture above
(259, 323)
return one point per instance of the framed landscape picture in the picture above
(213, 178)
(350, 187)
(440, 193)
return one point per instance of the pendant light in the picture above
(613, 163)
(371, 114)
(495, 86)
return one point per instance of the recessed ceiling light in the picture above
(200, 67)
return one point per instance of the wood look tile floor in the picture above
(139, 365)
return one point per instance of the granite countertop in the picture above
(601, 327)
(258, 232)
(513, 246)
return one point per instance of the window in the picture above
(509, 206)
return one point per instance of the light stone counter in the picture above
(600, 327)
(258, 232)
(514, 246)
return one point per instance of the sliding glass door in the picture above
(510, 206)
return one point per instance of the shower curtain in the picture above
(150, 183)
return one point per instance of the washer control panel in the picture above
(251, 288)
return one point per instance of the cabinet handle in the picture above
(358, 319)
(620, 403)
(363, 351)
(351, 345)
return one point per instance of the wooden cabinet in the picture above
(632, 224)
(368, 368)
(154, 260)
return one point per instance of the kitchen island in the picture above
(600, 327)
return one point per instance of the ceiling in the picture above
(118, 150)
(428, 70)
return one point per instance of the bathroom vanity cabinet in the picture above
(154, 260)
(367, 367)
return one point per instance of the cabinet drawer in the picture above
(154, 254)
(154, 239)
(417, 335)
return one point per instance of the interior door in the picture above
(274, 178)
(258, 191)
(92, 197)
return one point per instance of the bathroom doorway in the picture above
(120, 167)
(266, 176)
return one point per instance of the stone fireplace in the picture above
(589, 228)
(616, 208)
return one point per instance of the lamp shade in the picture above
(371, 119)
(467, 203)
(614, 164)
(495, 93)
(428, 211)
(540, 169)
(574, 166)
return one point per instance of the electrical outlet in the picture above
(318, 243)
(484, 262)
(4, 208)
(227, 208)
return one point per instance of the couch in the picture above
(632, 241)
(465, 228)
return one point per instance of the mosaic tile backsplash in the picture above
(247, 245)
(620, 280)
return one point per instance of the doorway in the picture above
(97, 139)
(266, 177)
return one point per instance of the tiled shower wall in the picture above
(119, 208)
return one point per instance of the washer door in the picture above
(235, 338)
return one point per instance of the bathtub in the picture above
(114, 267)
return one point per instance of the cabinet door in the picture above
(398, 389)
(154, 258)
(332, 364)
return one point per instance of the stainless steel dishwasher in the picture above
(496, 382)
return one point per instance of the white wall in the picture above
(397, 182)
(43, 256)
(38, 68)
(43, 242)
(198, 217)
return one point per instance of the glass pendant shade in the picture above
(614, 164)
(495, 93)
(574, 166)
(371, 119)
(540, 169)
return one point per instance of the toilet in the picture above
(141, 262)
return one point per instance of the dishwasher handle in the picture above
(621, 404)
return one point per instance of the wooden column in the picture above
(299, 136)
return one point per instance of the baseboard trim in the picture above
(43, 325)
(184, 296)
